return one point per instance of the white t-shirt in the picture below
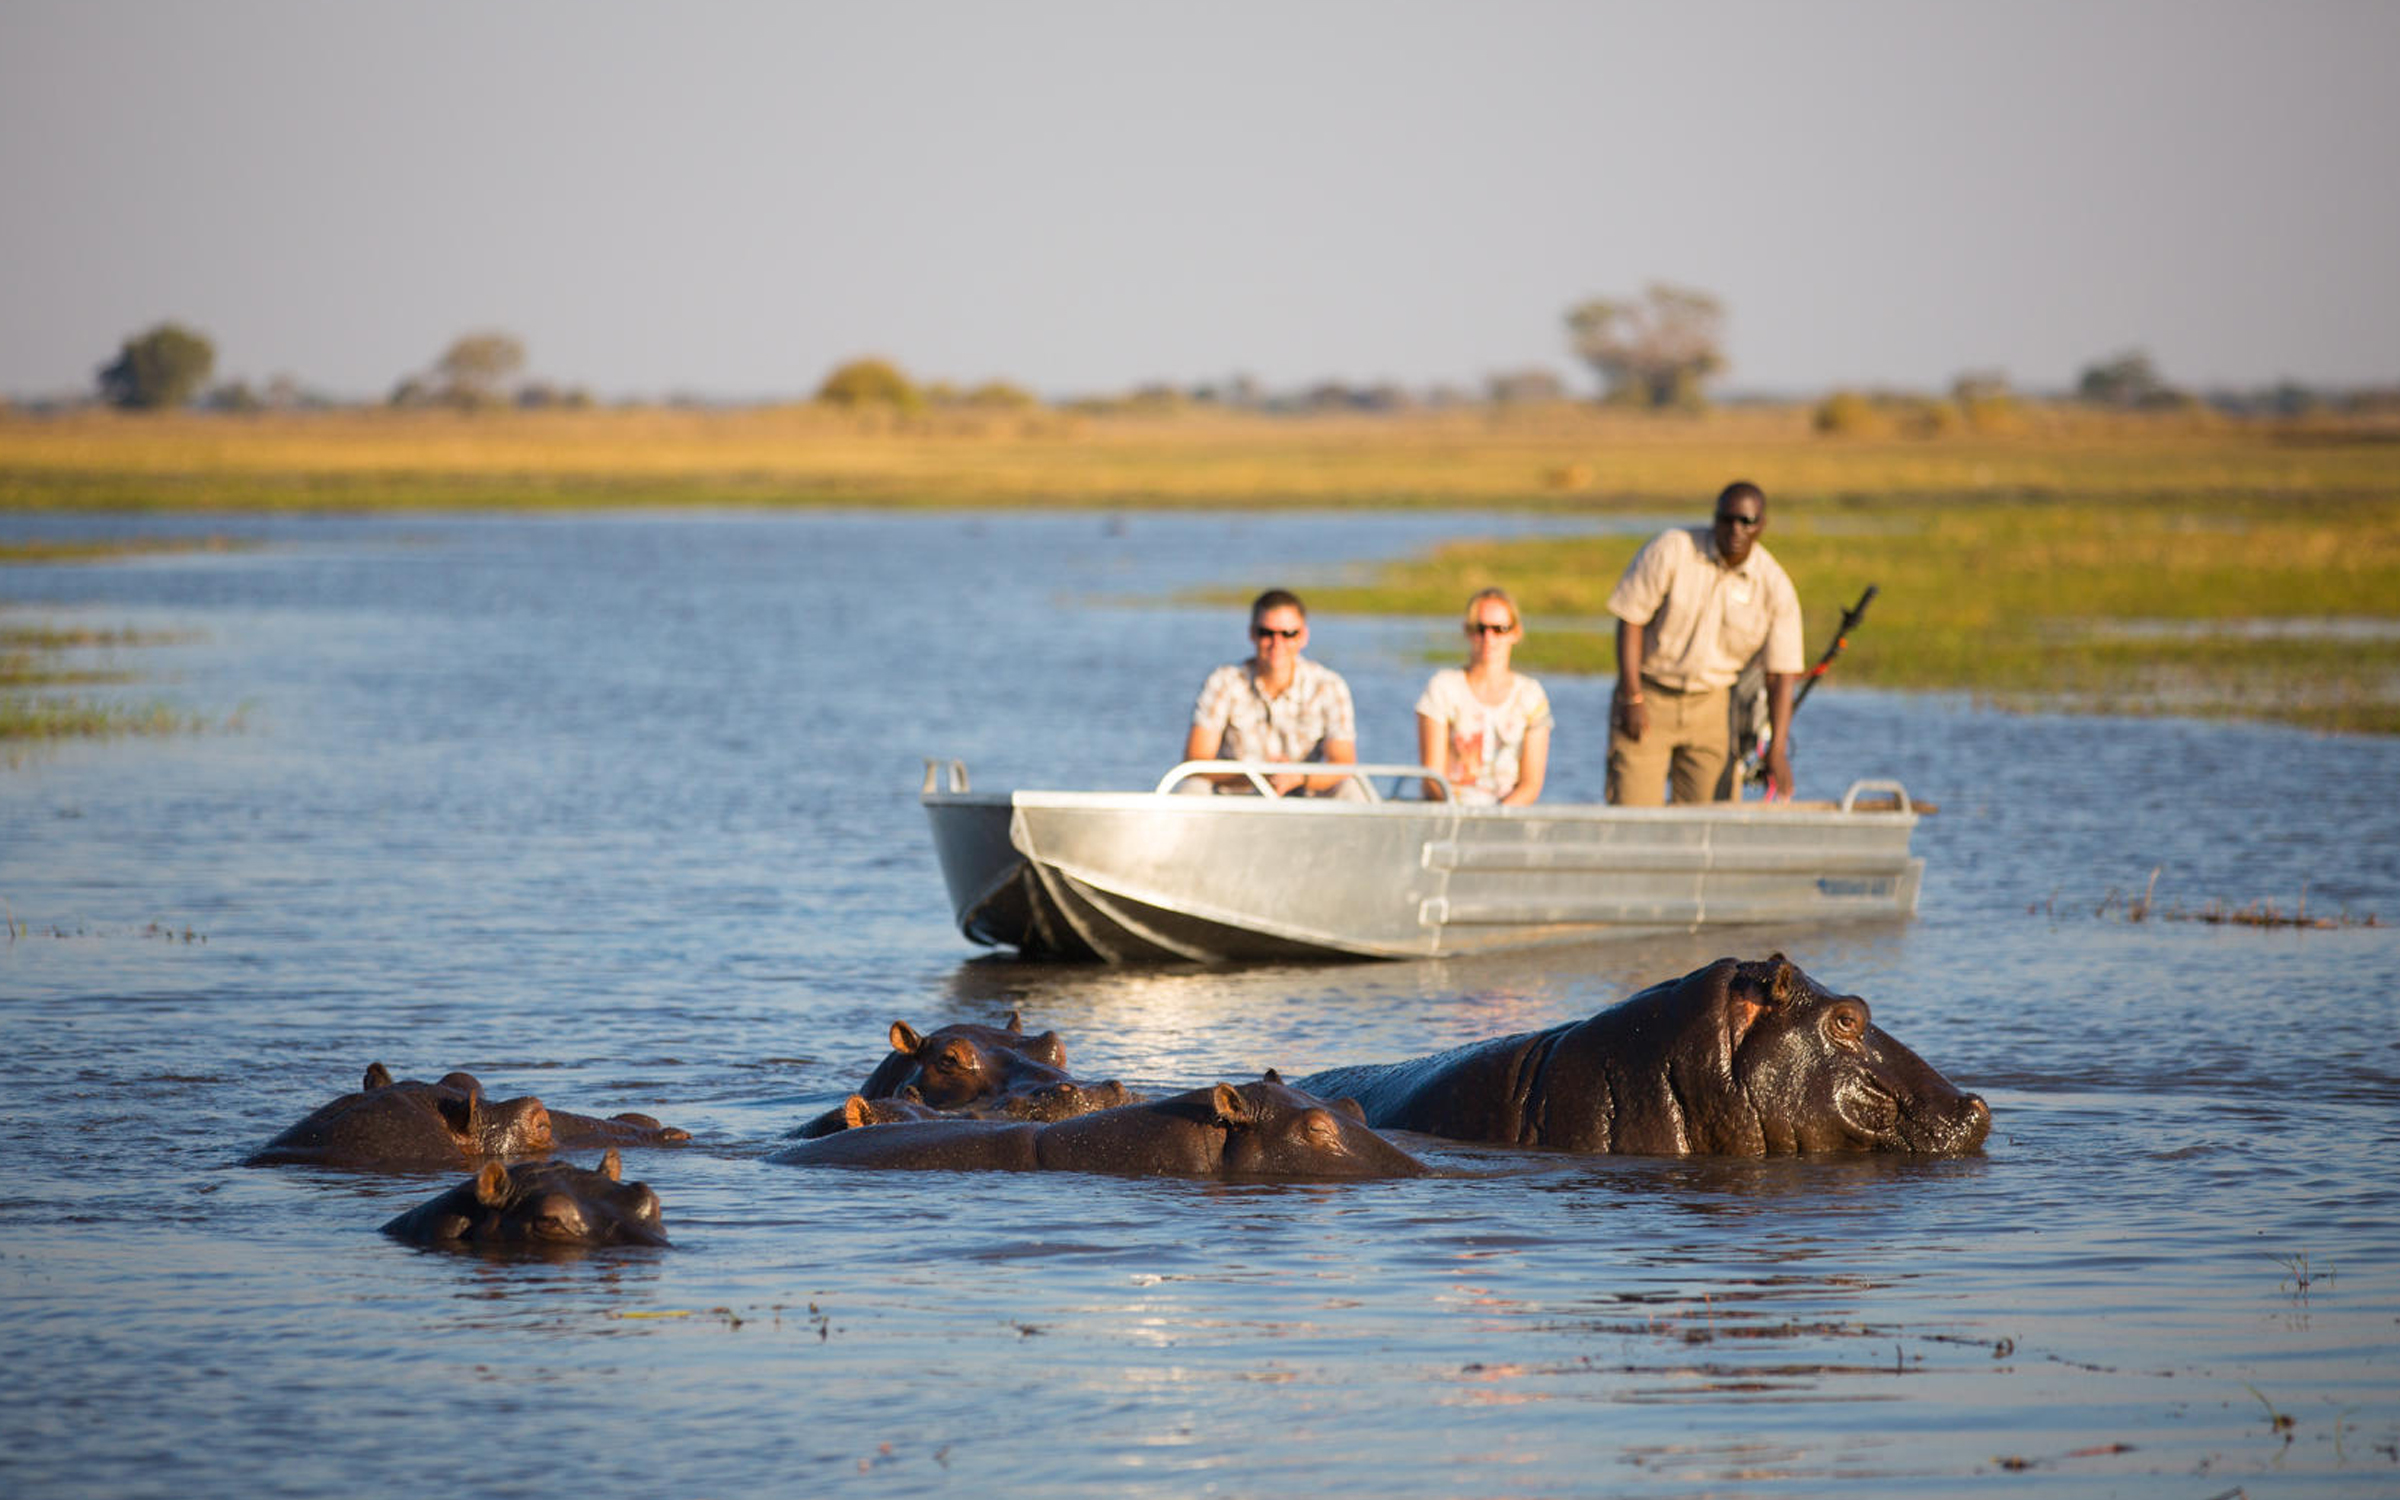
(1487, 741)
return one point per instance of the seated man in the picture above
(1278, 705)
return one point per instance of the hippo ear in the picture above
(491, 1185)
(905, 1039)
(1048, 1048)
(378, 1077)
(1785, 982)
(1272, 1076)
(1015, 1024)
(856, 1112)
(612, 1166)
(1745, 1001)
(1230, 1108)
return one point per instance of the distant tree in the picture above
(233, 395)
(165, 367)
(1986, 403)
(870, 382)
(475, 370)
(1657, 352)
(2127, 379)
(1000, 395)
(1532, 387)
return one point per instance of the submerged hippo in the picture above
(978, 1072)
(537, 1205)
(1263, 1129)
(411, 1125)
(1736, 1059)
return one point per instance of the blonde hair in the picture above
(1516, 617)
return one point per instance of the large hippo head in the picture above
(412, 1125)
(538, 1205)
(957, 1065)
(1759, 1059)
(1737, 1059)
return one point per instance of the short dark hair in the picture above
(1276, 599)
(1742, 489)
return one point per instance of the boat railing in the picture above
(943, 775)
(1897, 792)
(1257, 772)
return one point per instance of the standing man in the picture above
(1692, 609)
(1278, 705)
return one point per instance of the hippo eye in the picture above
(1847, 1022)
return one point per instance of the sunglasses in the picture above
(1486, 627)
(1747, 523)
(1265, 631)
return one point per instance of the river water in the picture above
(619, 810)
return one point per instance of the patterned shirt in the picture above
(1487, 741)
(1294, 725)
(1702, 621)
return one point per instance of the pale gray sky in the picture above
(726, 199)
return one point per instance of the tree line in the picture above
(1658, 352)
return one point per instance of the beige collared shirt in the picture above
(1292, 726)
(1702, 621)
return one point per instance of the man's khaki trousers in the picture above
(1687, 743)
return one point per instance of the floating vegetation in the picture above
(27, 717)
(109, 549)
(2298, 1274)
(35, 658)
(34, 665)
(2216, 913)
(165, 932)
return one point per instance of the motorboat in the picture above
(1167, 876)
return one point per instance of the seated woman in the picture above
(1485, 727)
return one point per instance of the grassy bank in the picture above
(1553, 458)
(2239, 606)
(2132, 563)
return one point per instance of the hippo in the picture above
(1257, 1130)
(413, 1126)
(1051, 1101)
(1735, 1059)
(543, 1205)
(978, 1072)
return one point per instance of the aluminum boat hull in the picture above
(1134, 877)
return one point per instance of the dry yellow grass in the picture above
(1562, 458)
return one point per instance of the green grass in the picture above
(27, 718)
(2117, 606)
(32, 666)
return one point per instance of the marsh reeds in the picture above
(35, 664)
